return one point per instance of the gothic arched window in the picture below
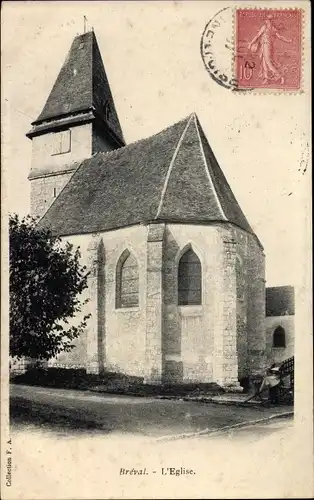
(189, 279)
(279, 337)
(127, 281)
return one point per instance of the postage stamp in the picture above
(254, 49)
(268, 49)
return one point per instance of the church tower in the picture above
(78, 120)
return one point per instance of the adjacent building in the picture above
(280, 323)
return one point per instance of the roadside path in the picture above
(69, 411)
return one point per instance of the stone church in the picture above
(177, 275)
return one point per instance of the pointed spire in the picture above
(81, 87)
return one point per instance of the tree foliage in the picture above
(46, 280)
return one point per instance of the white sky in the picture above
(151, 52)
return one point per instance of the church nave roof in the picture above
(172, 176)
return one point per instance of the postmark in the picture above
(217, 48)
(268, 49)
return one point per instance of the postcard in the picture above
(156, 250)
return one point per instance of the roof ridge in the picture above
(227, 198)
(211, 182)
(144, 139)
(175, 153)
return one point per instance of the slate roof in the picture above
(172, 176)
(82, 85)
(280, 301)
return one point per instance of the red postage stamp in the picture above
(268, 51)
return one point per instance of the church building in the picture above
(177, 275)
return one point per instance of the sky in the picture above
(151, 52)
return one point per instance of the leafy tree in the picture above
(46, 279)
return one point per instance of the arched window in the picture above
(189, 279)
(279, 337)
(127, 281)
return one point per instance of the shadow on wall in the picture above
(101, 302)
(172, 370)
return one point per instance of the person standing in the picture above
(272, 383)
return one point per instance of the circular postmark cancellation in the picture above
(249, 49)
(217, 48)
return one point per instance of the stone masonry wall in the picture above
(256, 330)
(192, 334)
(125, 327)
(154, 303)
(250, 271)
(218, 328)
(45, 190)
(229, 299)
(95, 346)
(115, 339)
(45, 162)
(47, 167)
(242, 300)
(47, 179)
(159, 340)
